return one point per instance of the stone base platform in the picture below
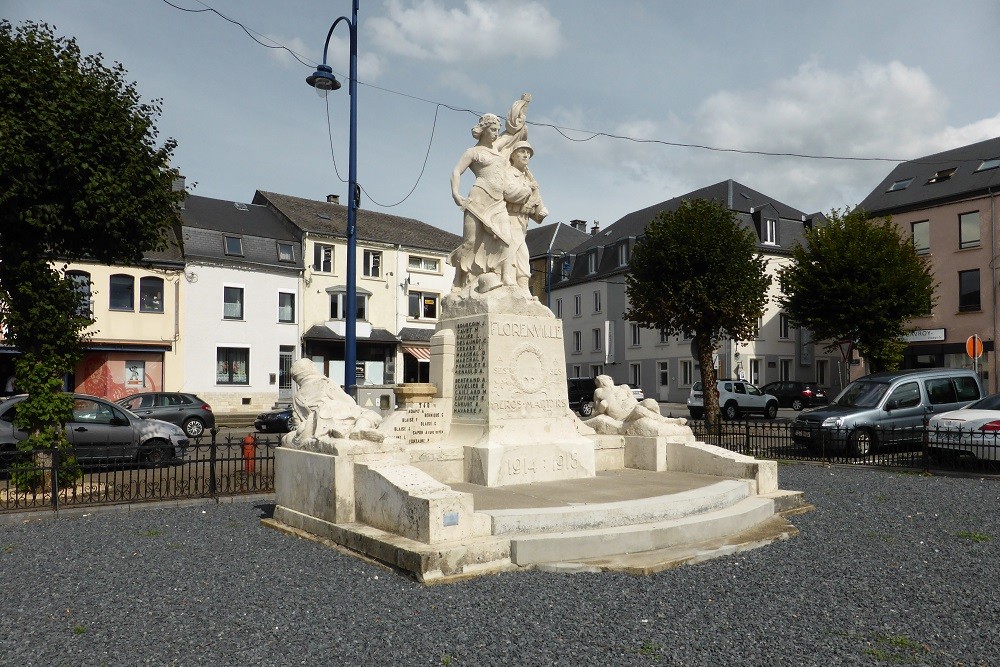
(625, 519)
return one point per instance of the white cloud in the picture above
(479, 32)
(469, 87)
(878, 110)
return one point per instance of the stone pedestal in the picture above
(503, 359)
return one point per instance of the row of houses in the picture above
(946, 204)
(244, 289)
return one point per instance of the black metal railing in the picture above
(916, 447)
(207, 468)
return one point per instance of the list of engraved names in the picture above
(470, 368)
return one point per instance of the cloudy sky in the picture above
(893, 79)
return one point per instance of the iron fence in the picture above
(208, 468)
(918, 448)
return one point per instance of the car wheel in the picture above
(771, 411)
(796, 404)
(194, 427)
(730, 411)
(156, 452)
(861, 442)
(586, 408)
(696, 414)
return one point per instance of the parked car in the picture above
(637, 392)
(278, 421)
(101, 430)
(891, 406)
(736, 397)
(972, 431)
(186, 410)
(796, 395)
(581, 394)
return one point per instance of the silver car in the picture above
(100, 430)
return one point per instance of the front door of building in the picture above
(285, 355)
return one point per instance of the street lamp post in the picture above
(324, 81)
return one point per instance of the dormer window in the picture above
(623, 254)
(942, 175)
(769, 231)
(233, 245)
(286, 252)
(592, 262)
(901, 184)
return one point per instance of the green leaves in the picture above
(81, 178)
(857, 279)
(697, 270)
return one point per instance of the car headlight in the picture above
(833, 422)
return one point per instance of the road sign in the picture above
(974, 346)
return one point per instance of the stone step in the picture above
(575, 545)
(586, 516)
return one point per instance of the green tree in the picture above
(857, 279)
(81, 178)
(697, 271)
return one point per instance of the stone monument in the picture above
(502, 369)
(495, 414)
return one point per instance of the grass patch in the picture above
(898, 649)
(446, 660)
(973, 536)
(151, 533)
(650, 649)
(79, 629)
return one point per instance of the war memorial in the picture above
(486, 468)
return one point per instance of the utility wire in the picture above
(252, 34)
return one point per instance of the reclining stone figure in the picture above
(619, 413)
(324, 411)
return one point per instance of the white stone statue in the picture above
(617, 412)
(323, 410)
(524, 202)
(486, 232)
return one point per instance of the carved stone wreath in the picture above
(527, 368)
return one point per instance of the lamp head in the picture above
(323, 80)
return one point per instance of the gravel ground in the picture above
(891, 569)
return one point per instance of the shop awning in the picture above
(422, 353)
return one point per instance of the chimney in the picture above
(178, 186)
(578, 224)
(333, 199)
(596, 228)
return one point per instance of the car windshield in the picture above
(988, 403)
(861, 394)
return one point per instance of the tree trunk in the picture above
(710, 397)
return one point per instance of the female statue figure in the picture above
(486, 240)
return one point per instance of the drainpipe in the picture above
(548, 268)
(994, 382)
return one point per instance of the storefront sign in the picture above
(924, 335)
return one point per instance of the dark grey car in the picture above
(186, 410)
(101, 430)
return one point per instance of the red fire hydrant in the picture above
(249, 453)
